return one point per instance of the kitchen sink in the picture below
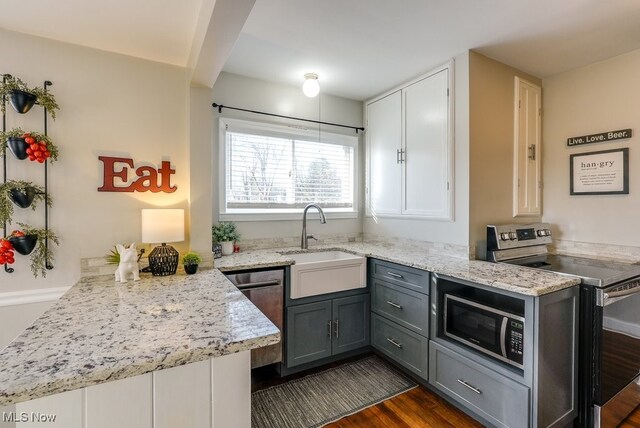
(323, 272)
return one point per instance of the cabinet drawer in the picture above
(400, 344)
(406, 307)
(500, 400)
(411, 278)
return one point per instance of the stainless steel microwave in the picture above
(487, 329)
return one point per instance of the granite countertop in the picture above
(513, 278)
(101, 331)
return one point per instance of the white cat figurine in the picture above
(128, 263)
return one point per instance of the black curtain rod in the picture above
(220, 107)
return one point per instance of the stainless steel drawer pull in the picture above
(394, 343)
(395, 275)
(474, 389)
(395, 305)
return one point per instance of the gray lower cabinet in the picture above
(330, 327)
(400, 314)
(500, 400)
(400, 344)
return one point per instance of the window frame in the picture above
(226, 124)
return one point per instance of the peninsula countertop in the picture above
(532, 282)
(101, 331)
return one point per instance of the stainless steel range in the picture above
(609, 369)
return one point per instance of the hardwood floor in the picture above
(415, 409)
(420, 408)
(633, 421)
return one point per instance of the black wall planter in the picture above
(18, 147)
(24, 244)
(21, 101)
(190, 269)
(23, 199)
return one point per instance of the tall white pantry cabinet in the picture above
(410, 149)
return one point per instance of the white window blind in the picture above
(267, 171)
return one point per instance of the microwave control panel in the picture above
(515, 343)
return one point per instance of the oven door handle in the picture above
(258, 284)
(622, 293)
(503, 336)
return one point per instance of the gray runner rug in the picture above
(321, 398)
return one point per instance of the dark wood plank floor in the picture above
(420, 408)
(416, 408)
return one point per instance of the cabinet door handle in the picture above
(395, 305)
(398, 158)
(474, 389)
(394, 343)
(329, 328)
(337, 331)
(532, 152)
(395, 275)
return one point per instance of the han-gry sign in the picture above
(600, 138)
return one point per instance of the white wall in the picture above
(457, 231)
(253, 94)
(109, 105)
(604, 96)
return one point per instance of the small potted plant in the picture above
(32, 145)
(21, 193)
(22, 98)
(41, 256)
(191, 260)
(225, 233)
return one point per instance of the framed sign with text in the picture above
(600, 173)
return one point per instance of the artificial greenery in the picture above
(191, 258)
(41, 257)
(19, 133)
(43, 97)
(5, 135)
(225, 231)
(113, 258)
(6, 204)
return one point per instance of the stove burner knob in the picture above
(541, 232)
(512, 235)
(547, 232)
(504, 236)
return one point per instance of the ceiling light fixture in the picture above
(311, 87)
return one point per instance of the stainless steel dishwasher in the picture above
(265, 289)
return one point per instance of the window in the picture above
(274, 170)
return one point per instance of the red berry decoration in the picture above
(6, 252)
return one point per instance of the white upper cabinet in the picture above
(384, 139)
(527, 155)
(410, 150)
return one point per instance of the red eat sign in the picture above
(147, 177)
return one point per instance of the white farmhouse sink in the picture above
(325, 272)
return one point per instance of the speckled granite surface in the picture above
(101, 331)
(507, 277)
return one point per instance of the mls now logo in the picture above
(28, 417)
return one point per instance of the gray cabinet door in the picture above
(350, 323)
(309, 332)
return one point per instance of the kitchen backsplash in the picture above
(452, 250)
(597, 251)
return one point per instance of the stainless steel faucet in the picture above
(304, 243)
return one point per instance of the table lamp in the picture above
(160, 226)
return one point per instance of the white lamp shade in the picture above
(162, 225)
(311, 86)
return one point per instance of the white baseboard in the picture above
(13, 298)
